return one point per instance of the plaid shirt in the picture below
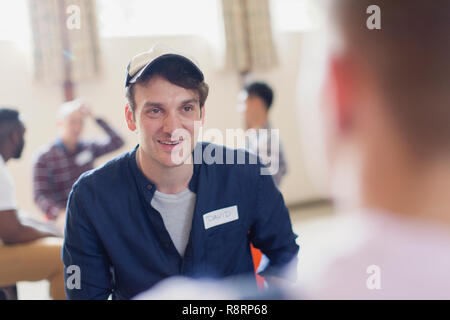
(56, 169)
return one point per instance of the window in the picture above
(294, 15)
(119, 18)
(15, 21)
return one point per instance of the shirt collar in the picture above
(147, 184)
(2, 161)
(266, 126)
(61, 145)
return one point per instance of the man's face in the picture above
(72, 126)
(252, 108)
(20, 141)
(162, 111)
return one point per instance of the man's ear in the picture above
(342, 83)
(129, 117)
(202, 118)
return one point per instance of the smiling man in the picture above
(154, 212)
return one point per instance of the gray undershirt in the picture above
(176, 211)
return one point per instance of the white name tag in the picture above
(84, 157)
(221, 216)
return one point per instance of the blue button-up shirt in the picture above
(121, 246)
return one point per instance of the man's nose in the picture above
(171, 123)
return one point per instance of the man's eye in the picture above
(187, 108)
(155, 111)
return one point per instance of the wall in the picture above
(38, 103)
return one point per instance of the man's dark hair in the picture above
(176, 72)
(9, 121)
(262, 91)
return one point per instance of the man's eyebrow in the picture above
(193, 100)
(149, 104)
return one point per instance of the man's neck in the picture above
(70, 145)
(258, 123)
(5, 155)
(169, 180)
(416, 190)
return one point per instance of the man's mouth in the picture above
(170, 143)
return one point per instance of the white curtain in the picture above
(65, 40)
(248, 32)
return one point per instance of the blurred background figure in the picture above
(26, 251)
(255, 101)
(59, 164)
(389, 129)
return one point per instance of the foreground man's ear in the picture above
(342, 83)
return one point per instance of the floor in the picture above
(322, 235)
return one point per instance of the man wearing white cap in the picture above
(59, 165)
(159, 210)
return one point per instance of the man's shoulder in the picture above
(228, 161)
(106, 176)
(48, 151)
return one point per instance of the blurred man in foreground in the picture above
(28, 253)
(391, 121)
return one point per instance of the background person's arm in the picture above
(113, 142)
(15, 229)
(60, 221)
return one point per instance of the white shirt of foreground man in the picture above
(396, 259)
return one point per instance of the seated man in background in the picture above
(389, 127)
(256, 99)
(27, 252)
(59, 165)
(163, 209)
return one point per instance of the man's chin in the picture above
(17, 155)
(169, 162)
(177, 156)
(168, 159)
